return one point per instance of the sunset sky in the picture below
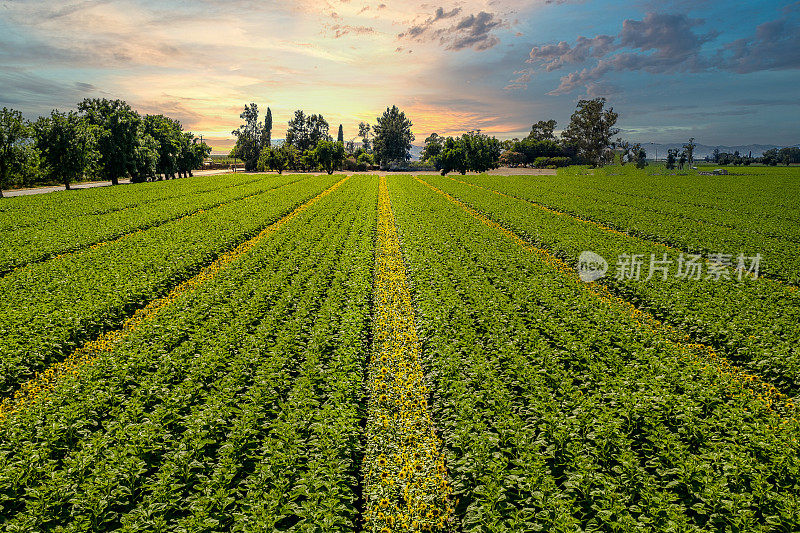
(723, 72)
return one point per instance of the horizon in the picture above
(672, 70)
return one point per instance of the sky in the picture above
(724, 72)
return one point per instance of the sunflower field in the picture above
(403, 354)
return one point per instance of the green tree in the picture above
(689, 148)
(682, 158)
(672, 157)
(267, 142)
(591, 129)
(167, 132)
(249, 137)
(14, 131)
(297, 131)
(543, 131)
(433, 147)
(393, 137)
(275, 158)
(192, 154)
(118, 131)
(329, 155)
(473, 151)
(340, 136)
(365, 132)
(145, 161)
(66, 143)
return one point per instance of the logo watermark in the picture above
(632, 266)
(591, 266)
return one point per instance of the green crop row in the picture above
(72, 233)
(691, 228)
(35, 210)
(238, 408)
(561, 411)
(754, 322)
(48, 309)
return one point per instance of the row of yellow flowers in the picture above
(406, 483)
(765, 392)
(43, 382)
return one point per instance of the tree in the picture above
(364, 131)
(771, 157)
(67, 145)
(145, 161)
(317, 130)
(632, 153)
(167, 132)
(329, 155)
(639, 156)
(433, 147)
(14, 130)
(267, 142)
(689, 148)
(118, 131)
(249, 137)
(789, 155)
(591, 129)
(510, 158)
(682, 157)
(393, 137)
(672, 156)
(543, 131)
(473, 151)
(275, 158)
(340, 136)
(192, 154)
(297, 131)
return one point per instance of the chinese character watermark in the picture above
(632, 266)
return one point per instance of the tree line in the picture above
(586, 140)
(308, 144)
(772, 157)
(104, 138)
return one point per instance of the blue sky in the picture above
(722, 72)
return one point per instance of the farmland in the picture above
(354, 353)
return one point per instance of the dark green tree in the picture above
(66, 143)
(118, 131)
(472, 152)
(682, 158)
(433, 147)
(267, 142)
(365, 132)
(543, 131)
(689, 149)
(14, 131)
(249, 137)
(393, 137)
(672, 158)
(591, 129)
(340, 136)
(167, 132)
(329, 155)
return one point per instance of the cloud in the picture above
(340, 30)
(471, 31)
(667, 43)
(775, 45)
